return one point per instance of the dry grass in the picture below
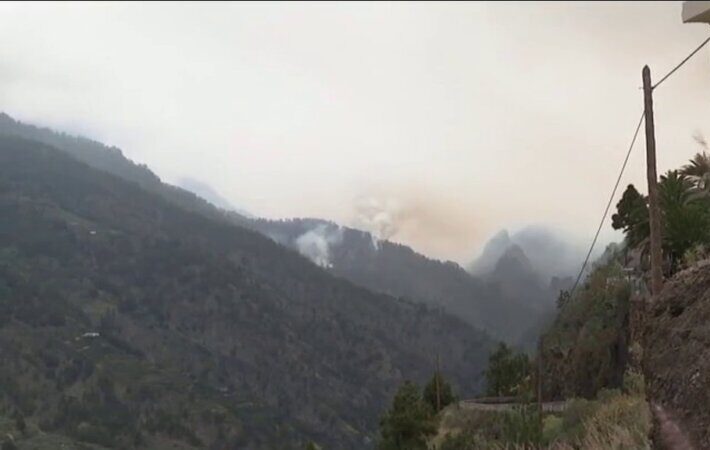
(620, 422)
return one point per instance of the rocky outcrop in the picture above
(677, 351)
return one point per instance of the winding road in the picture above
(506, 404)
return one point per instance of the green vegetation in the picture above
(128, 322)
(684, 197)
(311, 446)
(632, 217)
(614, 420)
(508, 372)
(395, 269)
(438, 393)
(586, 348)
(408, 423)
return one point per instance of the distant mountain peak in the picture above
(514, 259)
(552, 253)
(502, 235)
(500, 241)
(514, 251)
(492, 252)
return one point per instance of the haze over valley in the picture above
(354, 226)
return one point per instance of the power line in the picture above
(608, 205)
(586, 259)
(681, 63)
(623, 167)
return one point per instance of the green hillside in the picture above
(129, 322)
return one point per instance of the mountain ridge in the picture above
(161, 315)
(398, 271)
(483, 301)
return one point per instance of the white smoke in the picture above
(380, 217)
(315, 244)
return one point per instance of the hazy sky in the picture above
(459, 119)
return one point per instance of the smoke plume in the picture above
(315, 244)
(433, 221)
(381, 217)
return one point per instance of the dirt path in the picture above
(669, 432)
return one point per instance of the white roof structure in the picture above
(697, 11)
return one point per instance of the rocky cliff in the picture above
(677, 351)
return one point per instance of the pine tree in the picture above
(507, 371)
(408, 423)
(445, 395)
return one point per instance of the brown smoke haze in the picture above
(435, 124)
(437, 223)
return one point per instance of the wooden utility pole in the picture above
(653, 207)
(437, 377)
(539, 385)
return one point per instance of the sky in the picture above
(451, 120)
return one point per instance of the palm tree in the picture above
(676, 188)
(698, 170)
(686, 216)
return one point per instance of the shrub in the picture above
(464, 441)
(445, 394)
(605, 395)
(408, 423)
(620, 424)
(552, 427)
(522, 426)
(577, 411)
(695, 254)
(507, 372)
(634, 383)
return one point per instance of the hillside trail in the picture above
(669, 433)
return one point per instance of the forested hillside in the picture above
(112, 160)
(129, 322)
(355, 255)
(396, 269)
(587, 346)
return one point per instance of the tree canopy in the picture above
(685, 213)
(632, 216)
(507, 371)
(445, 395)
(408, 423)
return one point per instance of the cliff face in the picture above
(585, 349)
(677, 351)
